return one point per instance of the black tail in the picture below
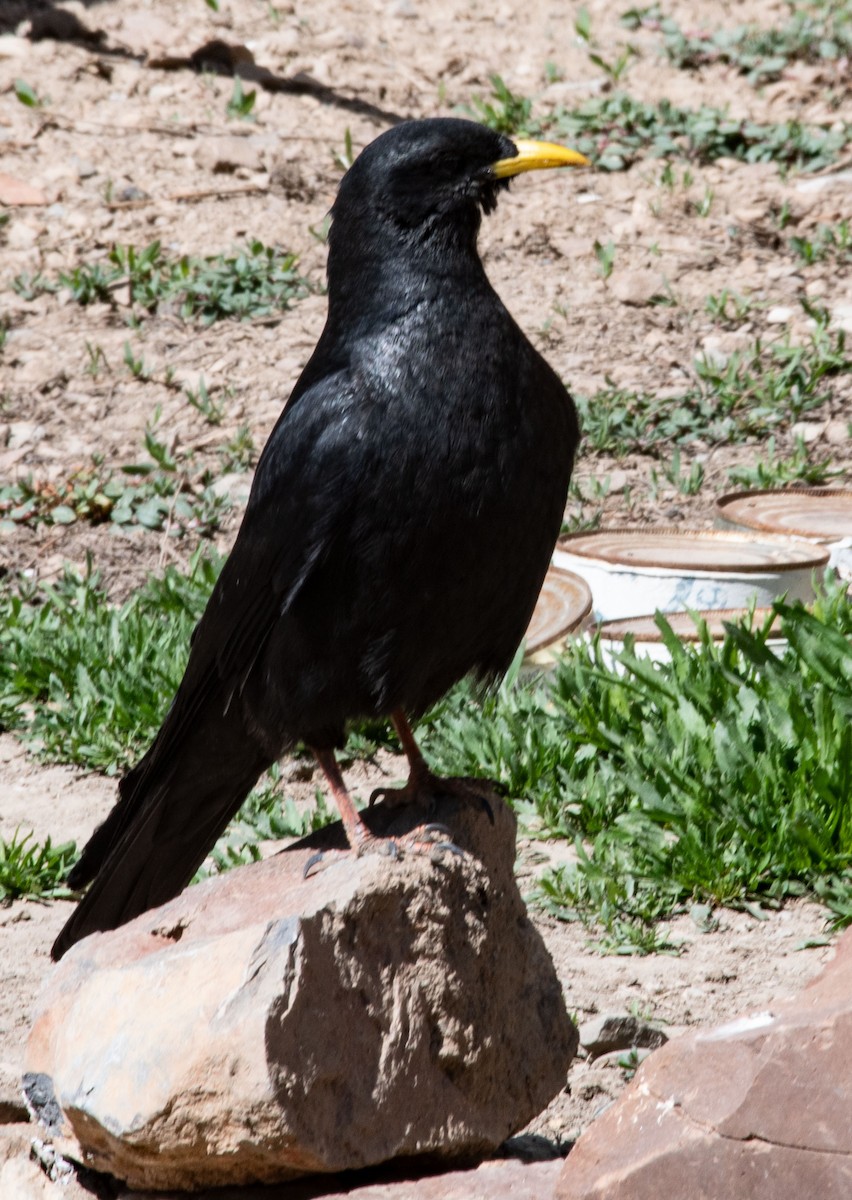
(173, 806)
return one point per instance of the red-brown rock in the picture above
(757, 1109)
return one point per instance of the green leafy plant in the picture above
(614, 131)
(765, 387)
(241, 104)
(605, 254)
(346, 157)
(774, 470)
(722, 776)
(817, 32)
(254, 282)
(136, 366)
(87, 682)
(614, 69)
(29, 286)
(34, 871)
(503, 110)
(26, 95)
(728, 308)
(156, 494)
(687, 482)
(212, 410)
(826, 242)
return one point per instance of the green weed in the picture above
(765, 387)
(255, 282)
(614, 131)
(820, 32)
(503, 110)
(728, 308)
(723, 776)
(775, 470)
(826, 242)
(241, 104)
(156, 493)
(86, 682)
(26, 95)
(32, 871)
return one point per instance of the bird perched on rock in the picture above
(400, 524)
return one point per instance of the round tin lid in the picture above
(563, 603)
(688, 550)
(821, 513)
(644, 629)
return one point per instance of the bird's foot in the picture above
(426, 789)
(432, 839)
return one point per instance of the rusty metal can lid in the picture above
(715, 550)
(824, 514)
(645, 629)
(563, 604)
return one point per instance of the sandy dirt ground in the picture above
(123, 151)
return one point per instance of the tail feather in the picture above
(173, 807)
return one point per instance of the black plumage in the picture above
(401, 521)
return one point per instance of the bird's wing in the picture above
(300, 496)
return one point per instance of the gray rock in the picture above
(263, 1026)
(612, 1032)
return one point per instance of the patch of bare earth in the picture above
(203, 183)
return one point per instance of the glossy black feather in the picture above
(400, 524)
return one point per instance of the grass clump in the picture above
(827, 242)
(156, 494)
(722, 776)
(615, 131)
(813, 33)
(763, 388)
(775, 470)
(32, 871)
(86, 682)
(254, 282)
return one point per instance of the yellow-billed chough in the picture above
(400, 524)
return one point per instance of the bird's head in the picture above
(422, 177)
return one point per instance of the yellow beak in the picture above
(538, 156)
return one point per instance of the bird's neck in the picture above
(376, 279)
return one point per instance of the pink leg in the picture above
(357, 833)
(431, 839)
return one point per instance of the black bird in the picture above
(400, 524)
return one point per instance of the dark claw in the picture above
(434, 827)
(312, 862)
(448, 847)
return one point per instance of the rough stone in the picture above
(637, 287)
(611, 1032)
(757, 1108)
(263, 1025)
(17, 191)
(224, 154)
(12, 1107)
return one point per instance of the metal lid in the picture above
(644, 629)
(694, 550)
(821, 513)
(563, 603)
